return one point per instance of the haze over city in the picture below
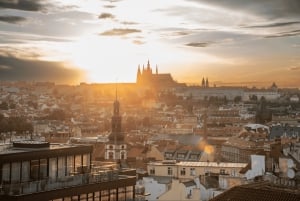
(232, 42)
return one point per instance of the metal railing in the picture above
(58, 183)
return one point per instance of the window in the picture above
(86, 159)
(52, 168)
(222, 171)
(25, 171)
(5, 172)
(111, 155)
(170, 171)
(152, 171)
(122, 155)
(70, 164)
(34, 169)
(15, 172)
(192, 172)
(61, 162)
(169, 155)
(180, 155)
(182, 172)
(78, 163)
(43, 168)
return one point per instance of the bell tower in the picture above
(116, 148)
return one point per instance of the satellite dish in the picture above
(290, 163)
(291, 173)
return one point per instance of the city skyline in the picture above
(229, 41)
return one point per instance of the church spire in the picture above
(116, 103)
(203, 83)
(206, 83)
(156, 70)
(148, 65)
(138, 75)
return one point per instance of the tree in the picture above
(17, 124)
(253, 98)
(237, 99)
(4, 106)
(57, 115)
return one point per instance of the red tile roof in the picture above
(259, 191)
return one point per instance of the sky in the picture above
(230, 42)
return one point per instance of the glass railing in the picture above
(58, 183)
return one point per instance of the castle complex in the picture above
(146, 77)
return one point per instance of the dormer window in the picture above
(180, 155)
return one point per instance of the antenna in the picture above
(116, 88)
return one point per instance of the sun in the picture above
(104, 59)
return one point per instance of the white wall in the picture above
(154, 188)
(258, 166)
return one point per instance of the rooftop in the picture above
(262, 191)
(32, 146)
(203, 164)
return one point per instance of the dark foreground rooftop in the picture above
(259, 191)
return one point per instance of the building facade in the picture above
(189, 170)
(34, 170)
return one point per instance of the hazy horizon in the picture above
(230, 42)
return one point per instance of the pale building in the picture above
(258, 167)
(267, 94)
(181, 191)
(156, 186)
(189, 170)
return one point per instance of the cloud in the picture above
(293, 68)
(284, 34)
(106, 16)
(109, 6)
(286, 27)
(296, 45)
(181, 33)
(12, 19)
(112, 1)
(267, 8)
(129, 23)
(278, 24)
(4, 67)
(27, 5)
(119, 32)
(138, 42)
(199, 44)
(17, 69)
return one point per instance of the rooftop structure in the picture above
(34, 170)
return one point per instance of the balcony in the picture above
(60, 183)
